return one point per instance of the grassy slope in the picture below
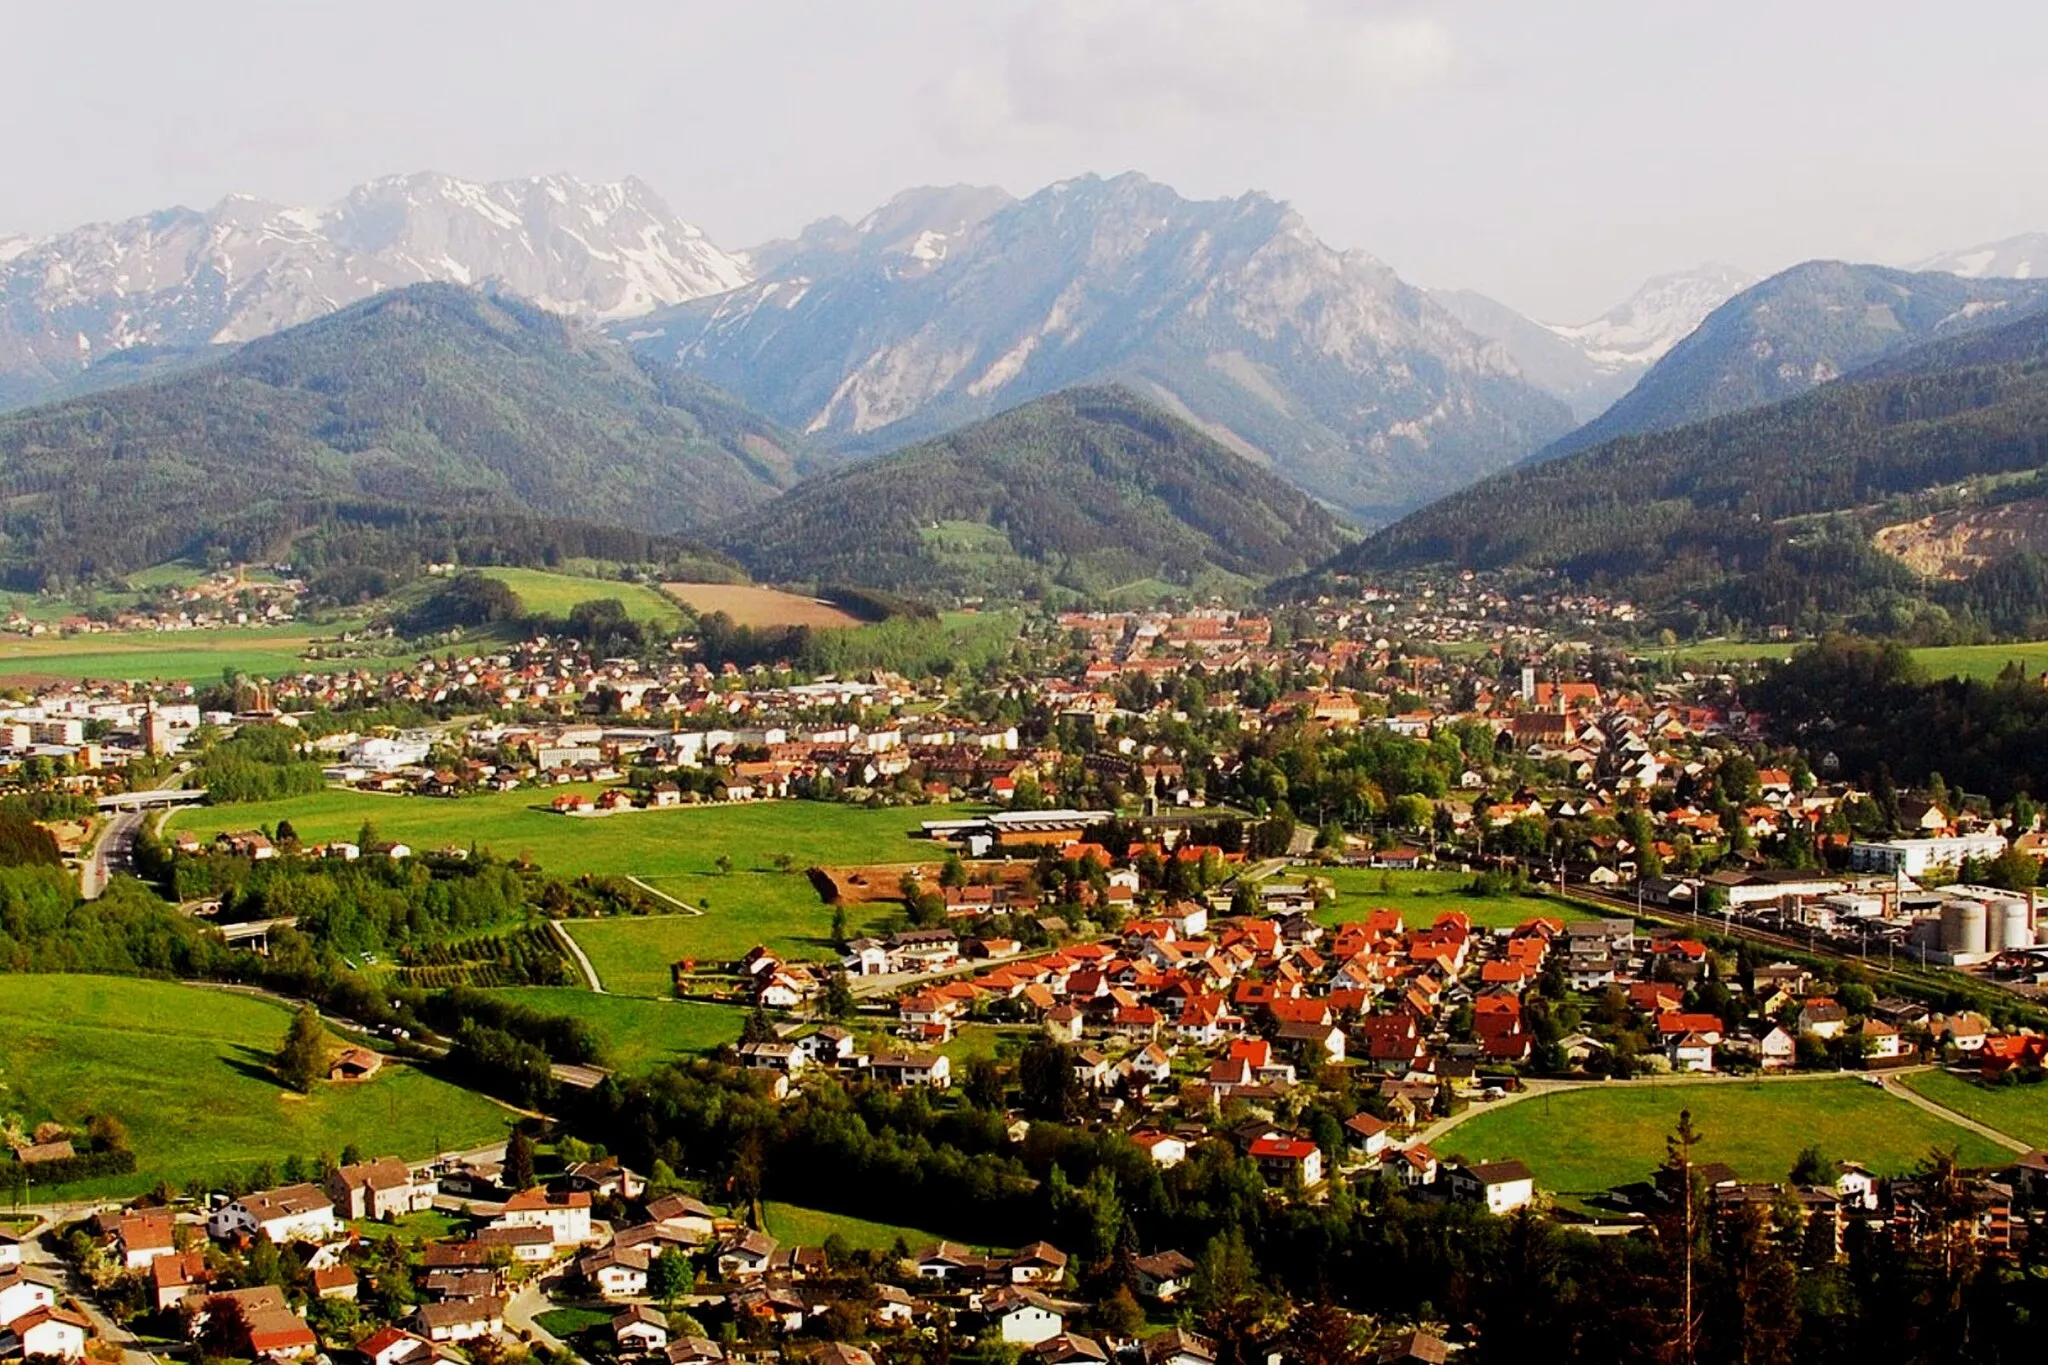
(638, 1034)
(197, 1098)
(2019, 1110)
(1589, 1140)
(553, 594)
(793, 1225)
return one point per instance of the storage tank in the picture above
(2011, 929)
(1963, 927)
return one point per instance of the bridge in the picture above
(256, 932)
(162, 798)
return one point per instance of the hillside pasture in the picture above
(186, 1069)
(638, 1034)
(749, 604)
(555, 594)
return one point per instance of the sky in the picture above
(1550, 154)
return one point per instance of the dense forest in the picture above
(433, 397)
(1766, 516)
(1885, 721)
(1088, 490)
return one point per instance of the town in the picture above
(1304, 893)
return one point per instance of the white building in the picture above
(1915, 857)
(296, 1213)
(565, 1216)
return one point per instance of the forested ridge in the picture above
(434, 398)
(1766, 515)
(1087, 489)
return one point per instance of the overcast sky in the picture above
(1552, 154)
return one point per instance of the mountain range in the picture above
(1800, 328)
(432, 397)
(179, 281)
(612, 365)
(1592, 364)
(949, 305)
(1795, 512)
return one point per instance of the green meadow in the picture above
(638, 1033)
(186, 1069)
(1587, 1140)
(1422, 896)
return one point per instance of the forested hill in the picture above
(1090, 489)
(1795, 331)
(433, 397)
(1767, 514)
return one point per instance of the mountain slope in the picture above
(1592, 364)
(185, 280)
(1230, 312)
(1799, 328)
(431, 397)
(1089, 489)
(1769, 511)
(2024, 257)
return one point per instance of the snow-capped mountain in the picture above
(1592, 364)
(1637, 332)
(2024, 257)
(181, 279)
(947, 305)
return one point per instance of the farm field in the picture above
(794, 1225)
(632, 954)
(749, 604)
(638, 1034)
(1422, 896)
(554, 594)
(1588, 1140)
(2019, 1111)
(1983, 662)
(176, 656)
(198, 1100)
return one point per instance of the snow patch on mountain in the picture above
(2024, 257)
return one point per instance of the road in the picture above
(34, 1253)
(576, 951)
(114, 851)
(1942, 1111)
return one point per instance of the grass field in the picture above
(178, 656)
(683, 841)
(186, 1069)
(793, 1225)
(1589, 1140)
(554, 594)
(1422, 896)
(1982, 661)
(675, 851)
(2019, 1111)
(636, 1033)
(751, 605)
